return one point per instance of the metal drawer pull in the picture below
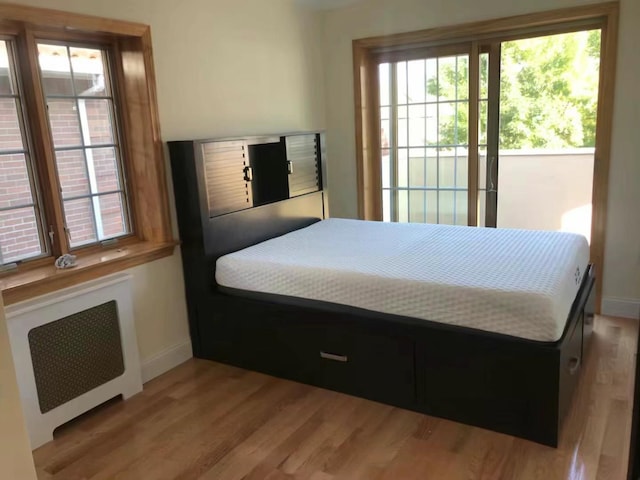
(574, 365)
(290, 167)
(248, 174)
(332, 356)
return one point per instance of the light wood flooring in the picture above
(205, 420)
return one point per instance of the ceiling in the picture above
(326, 4)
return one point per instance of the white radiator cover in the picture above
(24, 316)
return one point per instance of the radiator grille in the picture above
(76, 354)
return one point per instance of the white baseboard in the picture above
(166, 360)
(621, 307)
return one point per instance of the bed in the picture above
(514, 374)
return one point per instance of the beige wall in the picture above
(377, 17)
(223, 67)
(15, 453)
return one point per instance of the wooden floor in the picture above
(205, 420)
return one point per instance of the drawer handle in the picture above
(248, 174)
(290, 167)
(574, 365)
(332, 356)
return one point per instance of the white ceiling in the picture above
(326, 4)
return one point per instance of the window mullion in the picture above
(474, 125)
(44, 156)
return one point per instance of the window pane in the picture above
(89, 72)
(386, 205)
(432, 206)
(15, 186)
(403, 168)
(416, 125)
(95, 117)
(402, 132)
(6, 79)
(19, 236)
(432, 80)
(462, 168)
(446, 78)
(416, 167)
(484, 75)
(55, 69)
(462, 206)
(72, 173)
(446, 168)
(417, 201)
(462, 77)
(482, 136)
(112, 216)
(10, 133)
(482, 168)
(416, 81)
(432, 124)
(383, 73)
(446, 207)
(401, 72)
(403, 206)
(432, 168)
(65, 127)
(79, 217)
(105, 167)
(482, 207)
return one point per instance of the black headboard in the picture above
(224, 200)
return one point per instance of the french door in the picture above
(449, 115)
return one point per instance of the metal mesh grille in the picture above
(76, 354)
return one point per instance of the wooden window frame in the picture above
(367, 53)
(131, 61)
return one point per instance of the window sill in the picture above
(38, 281)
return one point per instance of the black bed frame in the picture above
(510, 385)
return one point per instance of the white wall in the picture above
(15, 453)
(379, 17)
(223, 67)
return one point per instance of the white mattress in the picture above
(515, 282)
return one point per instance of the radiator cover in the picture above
(76, 354)
(73, 350)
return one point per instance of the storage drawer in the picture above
(317, 349)
(369, 365)
(570, 365)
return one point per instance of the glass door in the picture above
(496, 134)
(424, 130)
(547, 122)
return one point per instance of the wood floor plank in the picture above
(206, 421)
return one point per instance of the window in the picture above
(21, 227)
(80, 104)
(81, 158)
(78, 92)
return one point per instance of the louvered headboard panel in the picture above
(302, 155)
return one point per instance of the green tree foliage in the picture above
(548, 93)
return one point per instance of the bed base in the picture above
(519, 387)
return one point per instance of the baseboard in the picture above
(166, 360)
(621, 307)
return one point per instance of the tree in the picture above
(548, 92)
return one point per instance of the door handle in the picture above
(248, 174)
